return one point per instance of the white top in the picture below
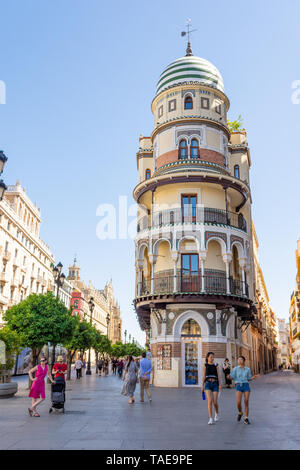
(78, 364)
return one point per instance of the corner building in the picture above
(195, 287)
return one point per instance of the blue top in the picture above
(241, 375)
(146, 367)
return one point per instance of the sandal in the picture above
(36, 415)
(30, 411)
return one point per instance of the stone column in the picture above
(139, 268)
(242, 264)
(175, 260)
(202, 258)
(152, 260)
(227, 258)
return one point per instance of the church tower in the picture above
(194, 265)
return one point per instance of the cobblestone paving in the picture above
(99, 417)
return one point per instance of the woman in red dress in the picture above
(37, 391)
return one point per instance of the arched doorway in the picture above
(191, 353)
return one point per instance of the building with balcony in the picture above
(264, 329)
(106, 316)
(195, 279)
(25, 260)
(294, 312)
(284, 350)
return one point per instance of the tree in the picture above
(40, 319)
(235, 126)
(118, 349)
(12, 347)
(102, 344)
(133, 350)
(83, 338)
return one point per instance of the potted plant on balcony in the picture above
(236, 125)
(9, 347)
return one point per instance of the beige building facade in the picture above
(264, 328)
(25, 260)
(106, 316)
(283, 357)
(295, 316)
(195, 279)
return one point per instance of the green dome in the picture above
(190, 69)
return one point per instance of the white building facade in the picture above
(25, 260)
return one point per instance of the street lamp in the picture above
(3, 160)
(91, 307)
(129, 338)
(59, 279)
(107, 322)
(125, 334)
(119, 327)
(3, 187)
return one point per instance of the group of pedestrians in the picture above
(135, 370)
(37, 391)
(103, 366)
(211, 381)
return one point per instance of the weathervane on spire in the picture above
(188, 33)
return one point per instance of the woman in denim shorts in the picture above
(211, 385)
(242, 376)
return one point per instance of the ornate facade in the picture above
(195, 279)
(106, 308)
(25, 259)
(295, 316)
(264, 329)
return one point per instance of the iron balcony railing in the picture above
(194, 283)
(193, 215)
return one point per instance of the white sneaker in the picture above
(216, 417)
(210, 421)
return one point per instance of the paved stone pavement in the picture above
(99, 417)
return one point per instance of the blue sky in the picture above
(80, 78)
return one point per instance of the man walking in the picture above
(145, 371)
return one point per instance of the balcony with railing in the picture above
(204, 215)
(210, 283)
(6, 255)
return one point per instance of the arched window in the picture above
(191, 328)
(182, 149)
(188, 102)
(236, 171)
(194, 148)
(148, 174)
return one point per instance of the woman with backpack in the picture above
(211, 385)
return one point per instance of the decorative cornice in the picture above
(191, 84)
(190, 163)
(152, 183)
(185, 119)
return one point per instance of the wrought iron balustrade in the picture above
(192, 283)
(204, 215)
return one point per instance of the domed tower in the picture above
(194, 268)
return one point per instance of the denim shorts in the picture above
(212, 386)
(242, 387)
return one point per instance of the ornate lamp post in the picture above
(91, 307)
(3, 187)
(129, 338)
(107, 322)
(59, 279)
(125, 334)
(119, 328)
